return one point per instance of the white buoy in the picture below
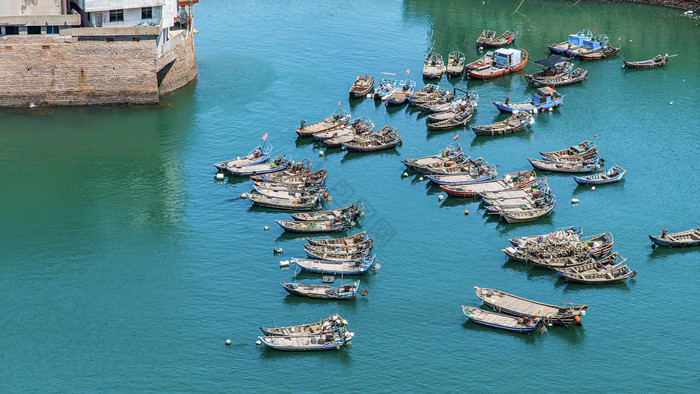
(228, 342)
(220, 175)
(284, 263)
(258, 342)
(592, 188)
(671, 103)
(266, 228)
(320, 153)
(534, 111)
(277, 250)
(574, 200)
(441, 197)
(405, 175)
(420, 179)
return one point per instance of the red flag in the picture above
(595, 136)
(338, 103)
(456, 137)
(264, 137)
(408, 70)
(510, 39)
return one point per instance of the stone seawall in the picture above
(90, 71)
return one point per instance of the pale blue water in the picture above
(125, 265)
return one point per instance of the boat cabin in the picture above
(543, 95)
(592, 43)
(576, 39)
(506, 57)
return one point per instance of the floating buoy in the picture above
(220, 175)
(243, 196)
(420, 179)
(325, 194)
(277, 250)
(266, 228)
(441, 197)
(228, 342)
(320, 153)
(405, 175)
(592, 188)
(258, 342)
(574, 200)
(466, 212)
(534, 111)
(671, 103)
(577, 319)
(284, 263)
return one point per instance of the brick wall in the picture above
(89, 71)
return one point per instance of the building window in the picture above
(147, 13)
(52, 29)
(116, 15)
(33, 29)
(109, 39)
(11, 30)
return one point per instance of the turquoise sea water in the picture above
(125, 265)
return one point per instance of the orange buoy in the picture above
(577, 319)
(242, 195)
(325, 194)
(466, 212)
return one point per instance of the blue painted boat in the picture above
(279, 163)
(399, 96)
(499, 320)
(356, 267)
(677, 240)
(612, 175)
(546, 98)
(258, 155)
(566, 166)
(478, 174)
(386, 87)
(581, 43)
(422, 164)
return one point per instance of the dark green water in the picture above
(125, 265)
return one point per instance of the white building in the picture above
(127, 13)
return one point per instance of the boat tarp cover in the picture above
(552, 60)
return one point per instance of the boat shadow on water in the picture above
(570, 287)
(617, 186)
(525, 135)
(529, 270)
(350, 156)
(303, 142)
(482, 330)
(342, 355)
(661, 251)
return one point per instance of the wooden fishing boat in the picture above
(486, 35)
(290, 193)
(362, 86)
(304, 178)
(559, 250)
(585, 149)
(515, 180)
(345, 241)
(339, 118)
(258, 155)
(506, 61)
(483, 62)
(540, 185)
(519, 206)
(429, 92)
(385, 88)
(516, 122)
(546, 98)
(324, 292)
(576, 76)
(498, 320)
(563, 314)
(528, 215)
(605, 263)
(460, 165)
(348, 134)
(335, 256)
(292, 204)
(356, 267)
(476, 174)
(607, 51)
(358, 126)
(504, 39)
(657, 61)
(616, 274)
(611, 175)
(433, 66)
(403, 90)
(351, 211)
(332, 323)
(455, 64)
(565, 166)
(555, 66)
(314, 226)
(566, 233)
(422, 164)
(279, 163)
(677, 240)
(385, 138)
(302, 343)
(580, 44)
(363, 246)
(460, 119)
